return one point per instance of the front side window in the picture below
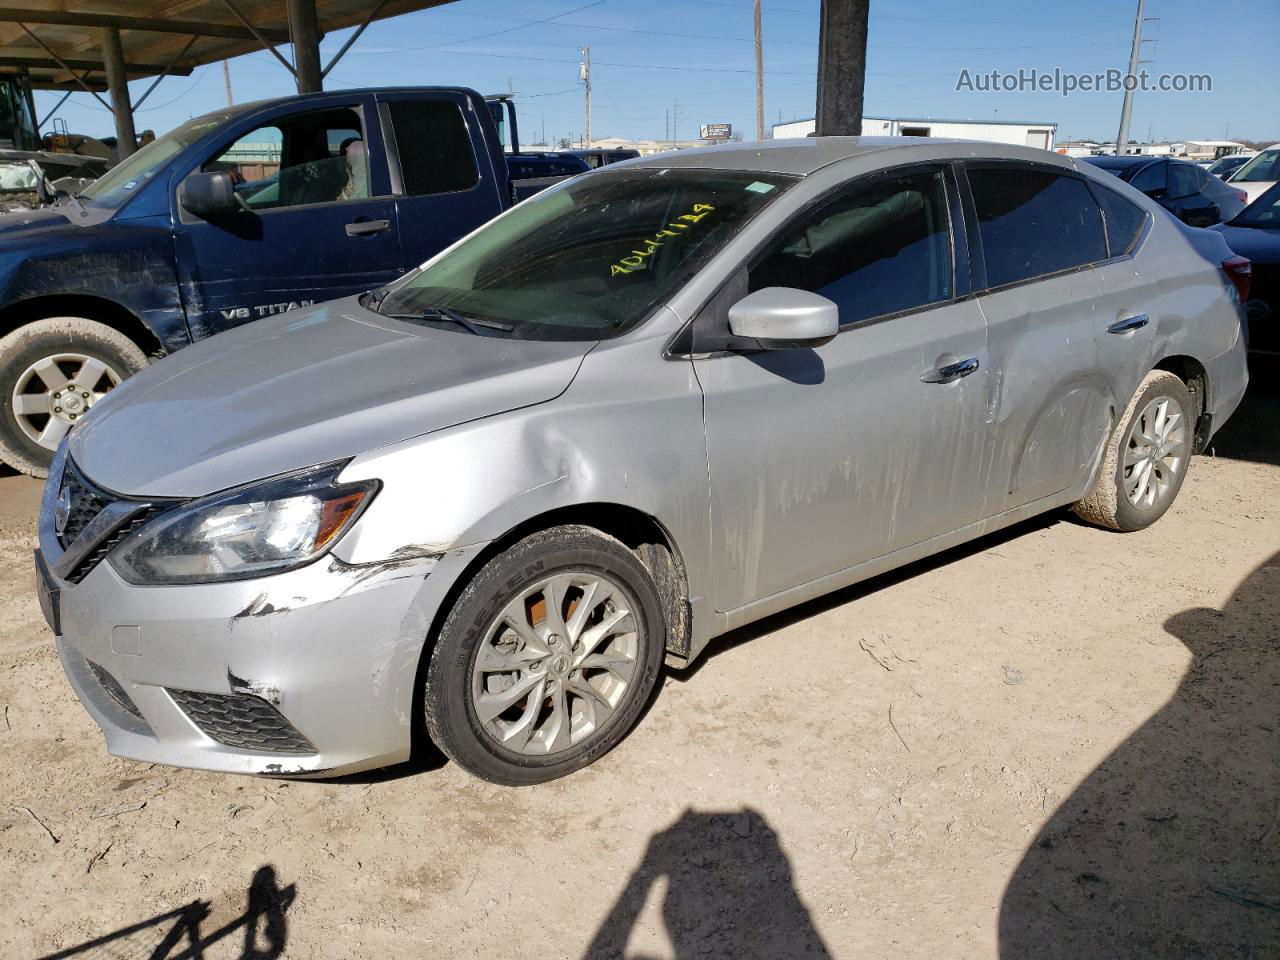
(879, 249)
(591, 257)
(1034, 222)
(435, 149)
(1265, 166)
(316, 157)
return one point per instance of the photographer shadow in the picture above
(1171, 847)
(729, 893)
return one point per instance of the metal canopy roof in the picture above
(59, 42)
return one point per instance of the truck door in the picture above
(442, 167)
(317, 220)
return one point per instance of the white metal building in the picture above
(994, 131)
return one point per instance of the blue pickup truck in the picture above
(233, 216)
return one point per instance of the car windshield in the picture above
(1262, 168)
(123, 180)
(592, 257)
(1263, 212)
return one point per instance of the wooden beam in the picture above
(94, 66)
(156, 25)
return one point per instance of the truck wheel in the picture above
(546, 659)
(51, 372)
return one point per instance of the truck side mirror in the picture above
(209, 195)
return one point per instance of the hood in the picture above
(1258, 244)
(306, 387)
(23, 222)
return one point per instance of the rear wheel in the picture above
(546, 659)
(1146, 458)
(51, 372)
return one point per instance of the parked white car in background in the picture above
(1259, 173)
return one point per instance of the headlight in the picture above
(265, 527)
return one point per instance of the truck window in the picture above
(309, 158)
(436, 155)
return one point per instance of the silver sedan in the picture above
(643, 408)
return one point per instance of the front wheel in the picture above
(546, 659)
(51, 372)
(1146, 458)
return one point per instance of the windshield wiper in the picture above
(470, 324)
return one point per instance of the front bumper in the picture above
(330, 649)
(310, 672)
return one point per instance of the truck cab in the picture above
(233, 216)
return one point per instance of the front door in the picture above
(821, 459)
(316, 223)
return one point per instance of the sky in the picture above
(695, 59)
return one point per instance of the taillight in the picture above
(1242, 196)
(1240, 272)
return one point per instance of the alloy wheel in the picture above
(55, 391)
(1155, 454)
(556, 663)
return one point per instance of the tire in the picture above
(512, 707)
(75, 346)
(1110, 503)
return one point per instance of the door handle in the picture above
(362, 228)
(951, 371)
(1129, 324)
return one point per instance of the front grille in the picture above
(92, 559)
(111, 687)
(241, 720)
(84, 502)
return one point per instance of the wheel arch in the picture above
(90, 307)
(1193, 373)
(641, 532)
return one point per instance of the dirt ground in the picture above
(1055, 742)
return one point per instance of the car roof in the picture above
(806, 155)
(1122, 163)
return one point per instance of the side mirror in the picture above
(209, 195)
(783, 318)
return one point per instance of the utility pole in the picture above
(759, 77)
(675, 121)
(584, 74)
(226, 77)
(842, 66)
(1126, 111)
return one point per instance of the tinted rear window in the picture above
(436, 155)
(1125, 220)
(1034, 222)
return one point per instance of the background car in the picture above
(1195, 197)
(1259, 173)
(1223, 167)
(600, 157)
(1255, 234)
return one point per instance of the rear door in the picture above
(1067, 321)
(442, 170)
(821, 459)
(317, 220)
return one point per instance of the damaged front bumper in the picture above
(306, 672)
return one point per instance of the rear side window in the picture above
(436, 155)
(1182, 180)
(1151, 178)
(876, 250)
(1034, 222)
(1125, 220)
